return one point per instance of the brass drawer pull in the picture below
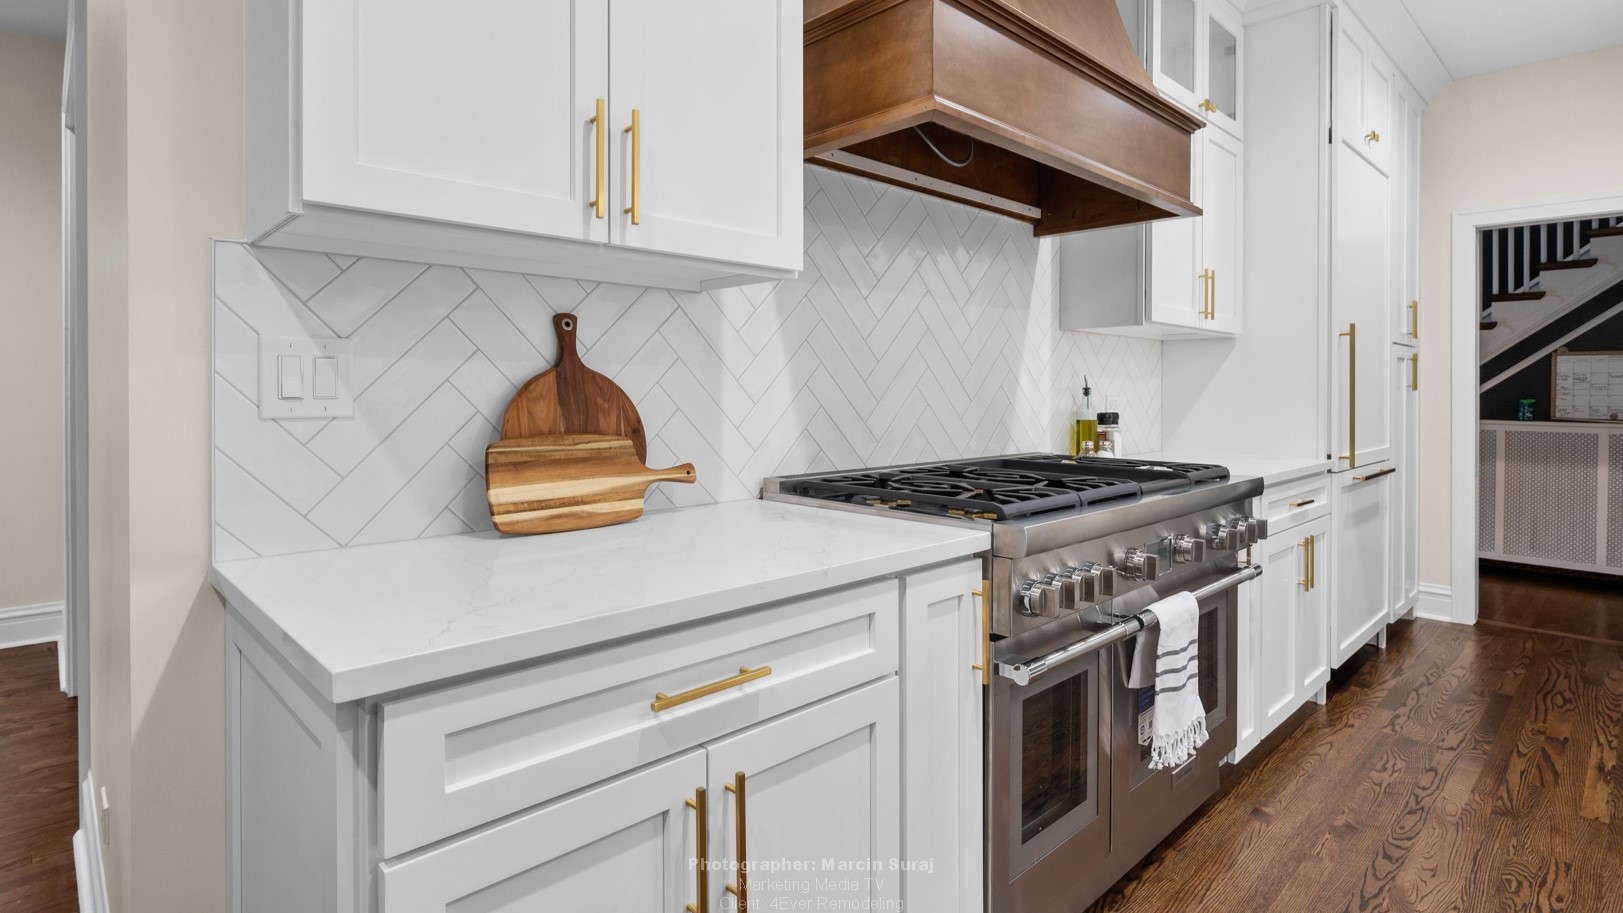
(1351, 456)
(1303, 503)
(1375, 475)
(741, 887)
(663, 701)
(984, 667)
(701, 827)
(1307, 561)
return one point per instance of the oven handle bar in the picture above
(1027, 671)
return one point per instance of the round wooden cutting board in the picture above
(570, 398)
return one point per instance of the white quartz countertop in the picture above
(363, 621)
(1273, 470)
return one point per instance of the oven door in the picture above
(1049, 790)
(1153, 802)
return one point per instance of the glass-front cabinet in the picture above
(1192, 49)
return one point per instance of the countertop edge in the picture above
(350, 684)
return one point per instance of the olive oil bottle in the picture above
(1086, 427)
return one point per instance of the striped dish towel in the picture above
(1180, 720)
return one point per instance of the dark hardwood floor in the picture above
(39, 771)
(1559, 603)
(1464, 769)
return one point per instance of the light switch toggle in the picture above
(324, 385)
(289, 377)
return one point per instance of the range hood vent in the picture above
(1036, 109)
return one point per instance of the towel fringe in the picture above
(1174, 752)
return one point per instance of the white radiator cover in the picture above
(1551, 494)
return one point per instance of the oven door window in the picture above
(1055, 760)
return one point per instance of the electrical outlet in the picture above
(305, 378)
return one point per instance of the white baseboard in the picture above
(87, 846)
(1436, 602)
(30, 624)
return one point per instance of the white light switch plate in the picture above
(273, 348)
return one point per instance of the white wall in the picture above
(30, 320)
(919, 330)
(1534, 134)
(164, 124)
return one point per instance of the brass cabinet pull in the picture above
(1307, 564)
(1303, 503)
(701, 825)
(1208, 294)
(600, 202)
(1211, 308)
(1351, 456)
(1414, 320)
(1375, 475)
(663, 701)
(984, 667)
(635, 209)
(1372, 137)
(1312, 562)
(1414, 371)
(741, 888)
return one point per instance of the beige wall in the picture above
(30, 320)
(165, 175)
(1535, 134)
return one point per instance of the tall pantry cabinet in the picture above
(1330, 202)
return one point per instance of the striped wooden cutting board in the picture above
(556, 482)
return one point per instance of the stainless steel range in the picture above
(1081, 547)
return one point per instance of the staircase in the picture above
(1534, 274)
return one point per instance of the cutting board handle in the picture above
(682, 473)
(565, 325)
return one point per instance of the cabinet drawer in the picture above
(456, 758)
(1296, 502)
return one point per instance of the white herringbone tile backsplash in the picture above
(919, 330)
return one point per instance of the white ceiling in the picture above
(1473, 37)
(40, 18)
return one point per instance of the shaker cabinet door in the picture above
(818, 784)
(1362, 563)
(1221, 230)
(711, 168)
(623, 847)
(1360, 296)
(1279, 616)
(477, 114)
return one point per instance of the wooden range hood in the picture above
(1067, 131)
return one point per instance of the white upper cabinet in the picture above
(713, 168)
(1221, 229)
(402, 115)
(1224, 77)
(471, 134)
(1177, 49)
(1360, 295)
(1406, 110)
(1363, 89)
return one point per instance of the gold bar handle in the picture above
(984, 667)
(1351, 456)
(600, 202)
(1303, 503)
(1375, 475)
(1414, 320)
(663, 701)
(1211, 302)
(1307, 564)
(1312, 562)
(635, 209)
(1414, 371)
(701, 826)
(741, 888)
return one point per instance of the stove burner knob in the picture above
(1138, 564)
(1188, 550)
(1255, 530)
(1087, 584)
(1228, 538)
(1039, 597)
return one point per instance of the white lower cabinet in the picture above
(815, 795)
(601, 779)
(1362, 557)
(622, 847)
(1286, 662)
